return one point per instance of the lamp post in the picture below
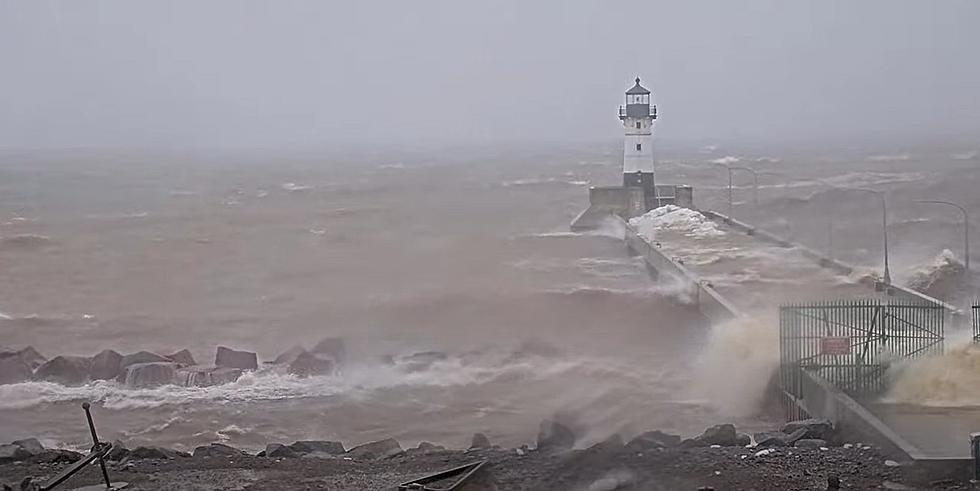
(884, 227)
(729, 168)
(966, 225)
(755, 184)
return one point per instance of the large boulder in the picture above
(723, 435)
(289, 355)
(142, 357)
(205, 376)
(28, 355)
(652, 440)
(279, 451)
(118, 452)
(66, 370)
(331, 347)
(229, 358)
(217, 450)
(13, 453)
(480, 441)
(816, 429)
(13, 369)
(554, 436)
(319, 447)
(778, 438)
(182, 357)
(142, 375)
(105, 365)
(307, 364)
(31, 445)
(375, 450)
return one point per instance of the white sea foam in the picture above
(973, 154)
(726, 160)
(689, 222)
(268, 384)
(293, 187)
(900, 157)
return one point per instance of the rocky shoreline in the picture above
(144, 369)
(807, 454)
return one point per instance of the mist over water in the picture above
(467, 257)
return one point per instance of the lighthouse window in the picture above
(637, 125)
(638, 146)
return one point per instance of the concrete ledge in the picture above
(711, 303)
(821, 399)
(897, 291)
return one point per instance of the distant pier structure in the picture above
(639, 193)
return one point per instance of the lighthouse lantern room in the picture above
(638, 116)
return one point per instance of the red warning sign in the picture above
(835, 345)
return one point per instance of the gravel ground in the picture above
(601, 468)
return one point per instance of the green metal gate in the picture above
(852, 343)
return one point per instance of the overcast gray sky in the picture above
(314, 73)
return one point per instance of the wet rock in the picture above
(119, 451)
(31, 357)
(376, 450)
(141, 357)
(611, 444)
(217, 450)
(289, 355)
(229, 358)
(141, 375)
(331, 347)
(743, 439)
(205, 376)
(65, 370)
(31, 445)
(554, 436)
(308, 364)
(13, 369)
(12, 453)
(821, 429)
(652, 440)
(723, 435)
(480, 441)
(318, 446)
(56, 456)
(778, 438)
(692, 443)
(429, 447)
(810, 443)
(182, 357)
(279, 451)
(157, 453)
(105, 365)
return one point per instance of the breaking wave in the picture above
(525, 361)
(900, 157)
(24, 241)
(691, 223)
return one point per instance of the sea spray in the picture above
(950, 380)
(738, 361)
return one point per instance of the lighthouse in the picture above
(638, 117)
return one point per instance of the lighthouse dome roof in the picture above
(637, 89)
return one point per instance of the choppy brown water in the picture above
(467, 255)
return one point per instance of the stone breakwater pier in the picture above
(834, 322)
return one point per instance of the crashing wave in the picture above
(670, 217)
(939, 277)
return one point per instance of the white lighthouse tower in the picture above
(638, 117)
